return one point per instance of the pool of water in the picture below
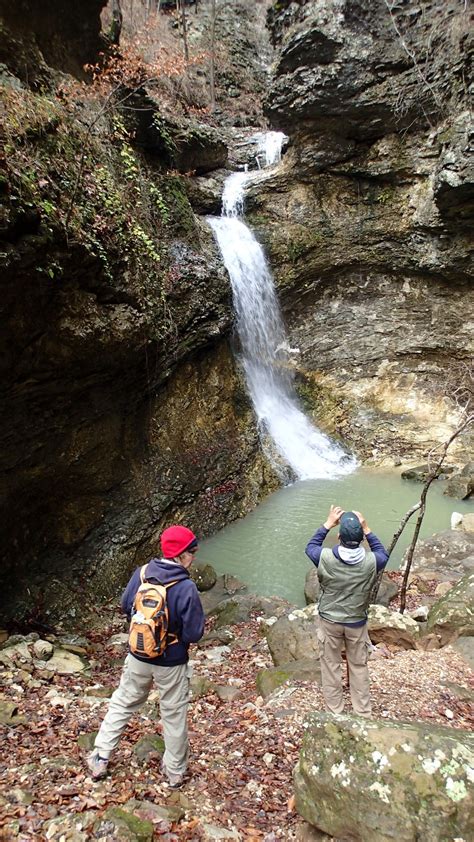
(265, 549)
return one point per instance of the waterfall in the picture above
(265, 350)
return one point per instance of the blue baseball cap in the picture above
(350, 530)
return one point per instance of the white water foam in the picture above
(265, 351)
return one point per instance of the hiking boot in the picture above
(97, 766)
(174, 781)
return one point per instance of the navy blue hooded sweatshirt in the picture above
(186, 616)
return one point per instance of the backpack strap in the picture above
(142, 573)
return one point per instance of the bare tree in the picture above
(117, 21)
(183, 26)
(212, 66)
(421, 508)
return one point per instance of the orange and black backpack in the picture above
(148, 635)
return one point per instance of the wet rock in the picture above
(391, 627)
(117, 824)
(203, 575)
(294, 637)
(453, 615)
(303, 670)
(149, 746)
(409, 780)
(448, 555)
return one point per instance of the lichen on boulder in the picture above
(373, 781)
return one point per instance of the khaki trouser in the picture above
(135, 685)
(332, 637)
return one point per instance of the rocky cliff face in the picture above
(367, 223)
(122, 409)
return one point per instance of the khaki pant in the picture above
(135, 685)
(332, 637)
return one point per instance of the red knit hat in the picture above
(175, 540)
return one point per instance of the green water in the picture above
(265, 549)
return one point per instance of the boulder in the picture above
(203, 575)
(467, 522)
(465, 647)
(306, 669)
(149, 745)
(124, 826)
(445, 556)
(69, 827)
(388, 590)
(373, 781)
(421, 472)
(43, 649)
(225, 587)
(238, 609)
(311, 586)
(64, 662)
(391, 627)
(461, 485)
(294, 636)
(453, 614)
(156, 813)
(200, 686)
(226, 692)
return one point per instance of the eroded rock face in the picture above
(403, 781)
(453, 615)
(359, 219)
(445, 556)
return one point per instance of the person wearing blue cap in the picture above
(346, 575)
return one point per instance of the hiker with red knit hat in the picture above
(168, 669)
(346, 575)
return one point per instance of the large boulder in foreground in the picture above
(391, 627)
(453, 615)
(294, 636)
(446, 556)
(374, 781)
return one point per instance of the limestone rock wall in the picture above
(122, 410)
(367, 223)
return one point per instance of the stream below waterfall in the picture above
(265, 549)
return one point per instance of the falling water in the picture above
(265, 350)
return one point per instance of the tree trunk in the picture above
(212, 67)
(117, 21)
(185, 29)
